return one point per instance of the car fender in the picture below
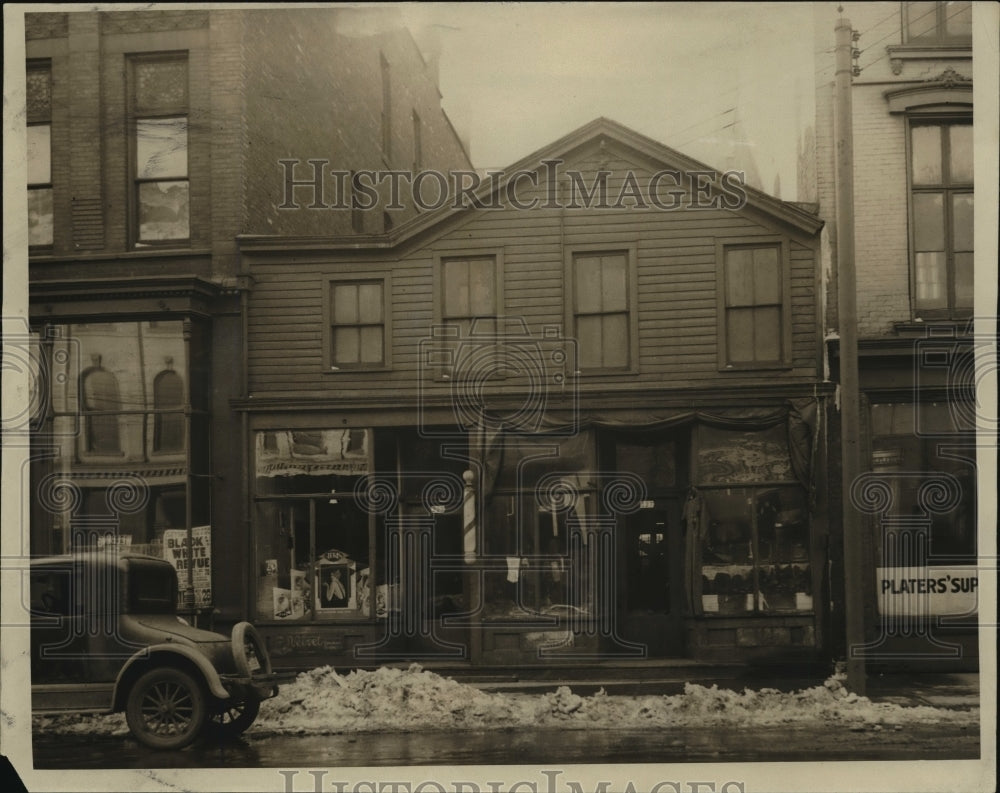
(208, 673)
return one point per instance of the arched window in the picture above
(168, 428)
(101, 404)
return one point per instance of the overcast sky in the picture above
(517, 76)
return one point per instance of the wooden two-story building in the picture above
(577, 412)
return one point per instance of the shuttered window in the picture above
(753, 305)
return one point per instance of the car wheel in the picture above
(231, 719)
(166, 708)
(249, 652)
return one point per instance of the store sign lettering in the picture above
(294, 643)
(915, 591)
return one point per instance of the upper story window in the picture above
(602, 310)
(937, 23)
(357, 318)
(386, 74)
(753, 306)
(39, 154)
(467, 311)
(101, 407)
(168, 427)
(158, 123)
(941, 213)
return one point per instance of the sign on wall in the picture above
(927, 591)
(195, 555)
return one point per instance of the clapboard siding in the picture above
(676, 307)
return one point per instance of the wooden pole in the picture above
(849, 392)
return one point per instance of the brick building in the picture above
(913, 219)
(155, 138)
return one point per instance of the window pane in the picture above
(40, 216)
(932, 289)
(588, 341)
(39, 94)
(587, 284)
(766, 275)
(739, 335)
(961, 155)
(928, 222)
(39, 154)
(161, 147)
(727, 553)
(964, 294)
(482, 283)
(346, 345)
(921, 20)
(168, 428)
(783, 550)
(958, 19)
(370, 302)
(371, 344)
(456, 289)
(163, 211)
(345, 304)
(926, 154)
(961, 222)
(161, 84)
(615, 340)
(614, 288)
(767, 333)
(739, 277)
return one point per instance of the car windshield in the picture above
(152, 590)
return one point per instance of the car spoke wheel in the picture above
(166, 709)
(231, 719)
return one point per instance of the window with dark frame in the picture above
(101, 405)
(469, 309)
(357, 318)
(158, 123)
(168, 427)
(601, 311)
(941, 216)
(940, 23)
(754, 309)
(39, 154)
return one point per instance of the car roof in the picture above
(97, 556)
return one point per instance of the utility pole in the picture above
(850, 416)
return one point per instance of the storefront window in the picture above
(313, 551)
(539, 505)
(754, 528)
(912, 446)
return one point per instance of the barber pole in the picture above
(469, 516)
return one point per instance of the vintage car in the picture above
(106, 637)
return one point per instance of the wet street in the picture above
(524, 747)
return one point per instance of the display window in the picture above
(753, 524)
(536, 549)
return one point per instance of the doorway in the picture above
(652, 591)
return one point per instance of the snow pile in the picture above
(407, 700)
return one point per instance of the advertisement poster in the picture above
(196, 555)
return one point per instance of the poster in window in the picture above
(335, 587)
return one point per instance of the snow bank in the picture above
(407, 700)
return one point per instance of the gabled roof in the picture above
(600, 129)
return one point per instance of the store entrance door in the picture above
(651, 589)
